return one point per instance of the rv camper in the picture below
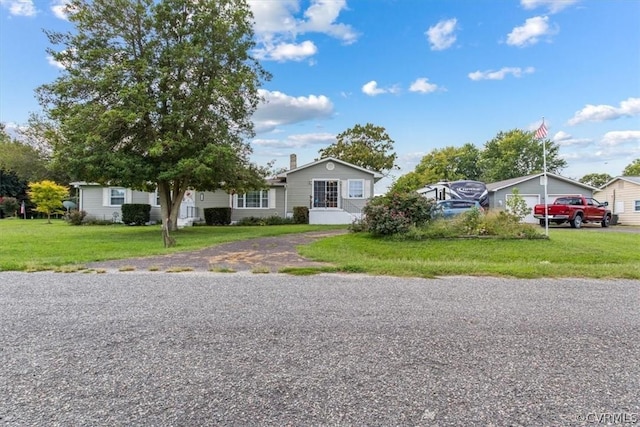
(463, 189)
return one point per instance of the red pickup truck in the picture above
(575, 210)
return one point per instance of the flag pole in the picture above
(546, 195)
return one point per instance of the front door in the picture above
(325, 193)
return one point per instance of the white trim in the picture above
(348, 189)
(107, 196)
(243, 197)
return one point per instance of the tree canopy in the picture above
(517, 153)
(441, 164)
(596, 179)
(47, 196)
(632, 169)
(27, 162)
(157, 94)
(367, 146)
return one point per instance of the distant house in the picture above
(334, 191)
(623, 195)
(531, 188)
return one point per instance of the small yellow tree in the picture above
(47, 196)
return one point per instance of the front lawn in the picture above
(567, 253)
(35, 245)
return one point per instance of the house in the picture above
(623, 195)
(334, 191)
(531, 189)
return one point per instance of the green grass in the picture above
(34, 245)
(567, 253)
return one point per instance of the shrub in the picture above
(9, 205)
(270, 220)
(300, 215)
(517, 206)
(136, 213)
(396, 213)
(217, 216)
(75, 217)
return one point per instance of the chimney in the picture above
(293, 162)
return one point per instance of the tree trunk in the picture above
(171, 195)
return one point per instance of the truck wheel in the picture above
(576, 222)
(605, 222)
(542, 223)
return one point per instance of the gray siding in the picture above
(92, 201)
(555, 188)
(300, 189)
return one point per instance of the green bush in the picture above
(300, 215)
(136, 213)
(9, 205)
(217, 216)
(396, 213)
(270, 220)
(75, 217)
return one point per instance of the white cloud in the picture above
(620, 137)
(441, 36)
(321, 17)
(278, 24)
(422, 85)
(59, 9)
(372, 89)
(55, 63)
(531, 32)
(279, 109)
(20, 7)
(500, 74)
(564, 140)
(296, 141)
(553, 6)
(287, 51)
(600, 113)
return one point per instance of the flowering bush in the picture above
(396, 213)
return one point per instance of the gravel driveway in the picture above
(202, 349)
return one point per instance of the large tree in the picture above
(441, 164)
(632, 169)
(157, 94)
(596, 179)
(367, 146)
(517, 153)
(26, 161)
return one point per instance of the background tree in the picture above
(441, 164)
(632, 169)
(9, 206)
(47, 196)
(596, 179)
(157, 94)
(27, 162)
(366, 146)
(517, 153)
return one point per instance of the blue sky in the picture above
(433, 73)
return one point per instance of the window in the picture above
(637, 206)
(253, 199)
(325, 194)
(356, 188)
(116, 196)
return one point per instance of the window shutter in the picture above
(105, 196)
(272, 198)
(128, 196)
(367, 188)
(345, 189)
(234, 201)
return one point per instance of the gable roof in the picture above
(632, 179)
(376, 175)
(495, 186)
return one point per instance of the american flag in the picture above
(542, 131)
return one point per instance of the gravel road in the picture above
(202, 349)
